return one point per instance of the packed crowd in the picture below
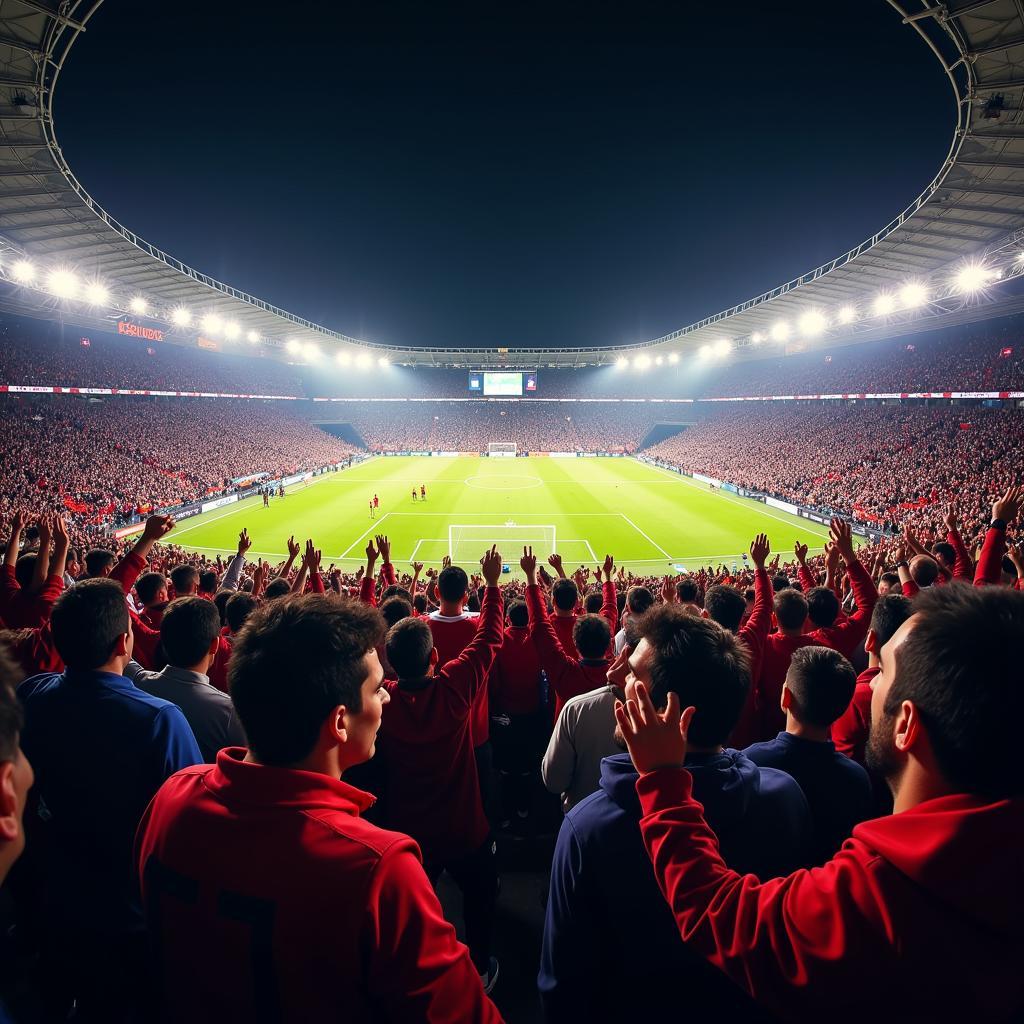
(775, 783)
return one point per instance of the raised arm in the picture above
(127, 571)
(755, 630)
(387, 569)
(299, 583)
(1004, 512)
(553, 659)
(806, 577)
(234, 570)
(963, 566)
(14, 540)
(293, 553)
(609, 603)
(864, 592)
(367, 591)
(42, 565)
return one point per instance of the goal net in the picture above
(502, 448)
(467, 543)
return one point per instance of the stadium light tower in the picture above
(973, 277)
(97, 294)
(23, 271)
(62, 283)
(913, 295)
(138, 305)
(642, 362)
(181, 317)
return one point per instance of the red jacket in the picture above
(314, 913)
(432, 791)
(564, 625)
(452, 634)
(850, 729)
(34, 649)
(917, 917)
(514, 680)
(22, 610)
(218, 672)
(778, 652)
(847, 635)
(754, 634)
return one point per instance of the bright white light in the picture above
(383, 361)
(973, 277)
(704, 352)
(673, 357)
(292, 347)
(23, 271)
(884, 304)
(913, 295)
(756, 338)
(363, 361)
(780, 331)
(722, 348)
(642, 362)
(621, 363)
(344, 358)
(311, 350)
(658, 360)
(138, 305)
(813, 323)
(252, 337)
(62, 283)
(846, 315)
(180, 316)
(232, 330)
(212, 324)
(97, 294)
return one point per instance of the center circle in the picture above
(503, 483)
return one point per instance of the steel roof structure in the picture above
(972, 210)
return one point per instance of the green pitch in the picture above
(649, 519)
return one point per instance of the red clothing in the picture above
(514, 680)
(218, 671)
(850, 729)
(146, 649)
(778, 652)
(452, 634)
(34, 650)
(333, 919)
(154, 615)
(22, 610)
(920, 910)
(754, 634)
(847, 635)
(564, 625)
(990, 563)
(432, 790)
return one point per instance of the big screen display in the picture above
(503, 383)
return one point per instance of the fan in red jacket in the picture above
(30, 584)
(314, 913)
(567, 676)
(918, 915)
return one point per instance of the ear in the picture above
(214, 647)
(871, 644)
(786, 700)
(434, 659)
(335, 729)
(10, 828)
(908, 732)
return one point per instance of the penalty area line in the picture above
(650, 540)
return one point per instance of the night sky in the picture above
(536, 174)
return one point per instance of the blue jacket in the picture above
(838, 790)
(100, 749)
(607, 922)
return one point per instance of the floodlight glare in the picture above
(180, 316)
(383, 361)
(293, 347)
(846, 315)
(756, 338)
(658, 360)
(344, 358)
(673, 357)
(642, 362)
(23, 271)
(252, 337)
(62, 283)
(363, 361)
(704, 351)
(138, 305)
(232, 330)
(621, 363)
(913, 295)
(780, 331)
(813, 323)
(311, 350)
(722, 348)
(973, 277)
(212, 324)
(884, 304)
(97, 294)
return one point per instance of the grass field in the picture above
(649, 519)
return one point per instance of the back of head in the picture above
(238, 609)
(781, 582)
(945, 553)
(220, 602)
(98, 562)
(592, 602)
(592, 634)
(960, 666)
(408, 647)
(394, 609)
(688, 591)
(638, 600)
(185, 579)
(419, 602)
(822, 607)
(296, 660)
(208, 581)
(725, 605)
(890, 612)
(518, 614)
(88, 620)
(822, 682)
(705, 664)
(277, 588)
(790, 609)
(24, 567)
(188, 628)
(452, 584)
(564, 595)
(149, 585)
(11, 718)
(395, 590)
(924, 570)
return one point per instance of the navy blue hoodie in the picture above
(610, 938)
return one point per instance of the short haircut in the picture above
(277, 588)
(688, 591)
(452, 584)
(790, 608)
(148, 585)
(208, 581)
(11, 718)
(518, 614)
(24, 567)
(725, 605)
(924, 570)
(960, 667)
(98, 561)
(639, 599)
(296, 660)
(890, 612)
(822, 606)
(945, 552)
(419, 602)
(705, 664)
(394, 609)
(781, 581)
(238, 608)
(822, 682)
(592, 634)
(88, 619)
(593, 602)
(395, 590)
(188, 628)
(184, 578)
(220, 602)
(892, 579)
(564, 594)
(408, 646)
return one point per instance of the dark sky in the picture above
(532, 174)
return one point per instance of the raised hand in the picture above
(1008, 506)
(608, 567)
(760, 549)
(842, 538)
(668, 590)
(528, 563)
(952, 519)
(654, 740)
(446, 562)
(800, 550)
(597, 575)
(417, 568)
(243, 542)
(371, 555)
(555, 561)
(1016, 555)
(293, 549)
(384, 547)
(490, 565)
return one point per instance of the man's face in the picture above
(881, 754)
(16, 780)
(361, 728)
(637, 669)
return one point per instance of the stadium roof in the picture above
(944, 260)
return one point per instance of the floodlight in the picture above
(344, 358)
(252, 337)
(722, 348)
(383, 361)
(138, 305)
(62, 283)
(973, 277)
(642, 362)
(292, 346)
(232, 330)
(884, 304)
(363, 361)
(813, 323)
(704, 351)
(180, 316)
(97, 294)
(212, 324)
(673, 357)
(756, 338)
(658, 360)
(311, 350)
(780, 331)
(846, 315)
(913, 295)
(24, 271)
(621, 363)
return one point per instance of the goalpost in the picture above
(502, 449)
(466, 543)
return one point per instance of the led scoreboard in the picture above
(503, 383)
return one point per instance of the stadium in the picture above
(414, 633)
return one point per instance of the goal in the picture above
(466, 543)
(502, 449)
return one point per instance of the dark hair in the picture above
(408, 646)
(781, 582)
(960, 666)
(892, 578)
(749, 593)
(88, 619)
(395, 590)
(148, 585)
(394, 609)
(790, 608)
(593, 602)
(11, 717)
(639, 599)
(725, 605)
(419, 602)
(592, 634)
(452, 584)
(207, 581)
(688, 591)
(98, 561)
(924, 570)
(705, 664)
(184, 578)
(945, 551)
(822, 682)
(277, 588)
(296, 660)
(890, 612)
(518, 614)
(238, 608)
(24, 567)
(187, 630)
(220, 602)
(822, 606)
(564, 594)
